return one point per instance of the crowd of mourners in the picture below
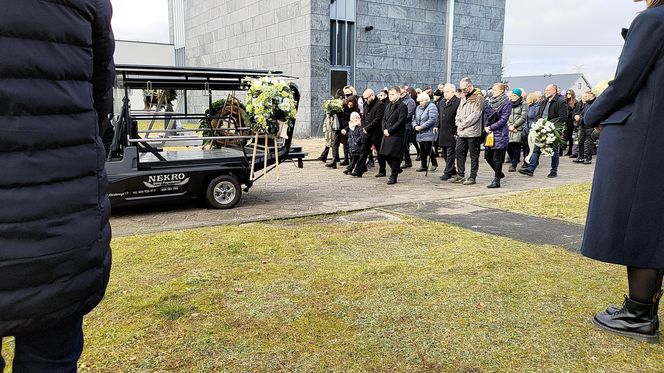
(452, 123)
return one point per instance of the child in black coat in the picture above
(355, 144)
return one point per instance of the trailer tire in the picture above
(223, 192)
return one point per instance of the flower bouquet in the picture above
(270, 106)
(271, 110)
(547, 137)
(332, 109)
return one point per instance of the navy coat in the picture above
(500, 129)
(395, 121)
(56, 75)
(355, 137)
(626, 215)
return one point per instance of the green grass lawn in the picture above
(569, 202)
(312, 295)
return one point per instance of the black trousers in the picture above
(354, 164)
(339, 139)
(526, 150)
(586, 143)
(394, 162)
(409, 138)
(53, 349)
(365, 153)
(495, 158)
(569, 138)
(449, 153)
(325, 153)
(515, 153)
(426, 150)
(463, 146)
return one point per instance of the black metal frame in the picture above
(180, 78)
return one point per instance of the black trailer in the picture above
(213, 161)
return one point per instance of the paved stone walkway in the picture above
(316, 190)
(521, 227)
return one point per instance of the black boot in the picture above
(634, 319)
(392, 180)
(494, 184)
(323, 155)
(331, 165)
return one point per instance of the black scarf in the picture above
(517, 103)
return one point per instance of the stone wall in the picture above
(256, 34)
(407, 44)
(320, 62)
(478, 41)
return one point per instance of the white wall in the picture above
(140, 53)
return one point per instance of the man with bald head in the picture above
(554, 110)
(374, 110)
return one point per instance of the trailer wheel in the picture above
(223, 192)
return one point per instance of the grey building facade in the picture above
(330, 43)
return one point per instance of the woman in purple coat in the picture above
(496, 115)
(626, 216)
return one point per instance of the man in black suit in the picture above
(374, 110)
(394, 124)
(447, 110)
(554, 109)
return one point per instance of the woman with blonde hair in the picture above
(496, 115)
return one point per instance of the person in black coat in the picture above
(586, 143)
(573, 109)
(355, 136)
(341, 135)
(55, 93)
(625, 223)
(553, 109)
(447, 109)
(374, 110)
(394, 124)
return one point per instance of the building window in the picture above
(342, 43)
(579, 85)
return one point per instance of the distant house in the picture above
(576, 82)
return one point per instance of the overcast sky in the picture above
(541, 36)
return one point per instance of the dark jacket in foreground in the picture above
(394, 121)
(56, 73)
(447, 121)
(372, 123)
(557, 111)
(355, 137)
(626, 215)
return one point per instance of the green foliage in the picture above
(333, 106)
(268, 102)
